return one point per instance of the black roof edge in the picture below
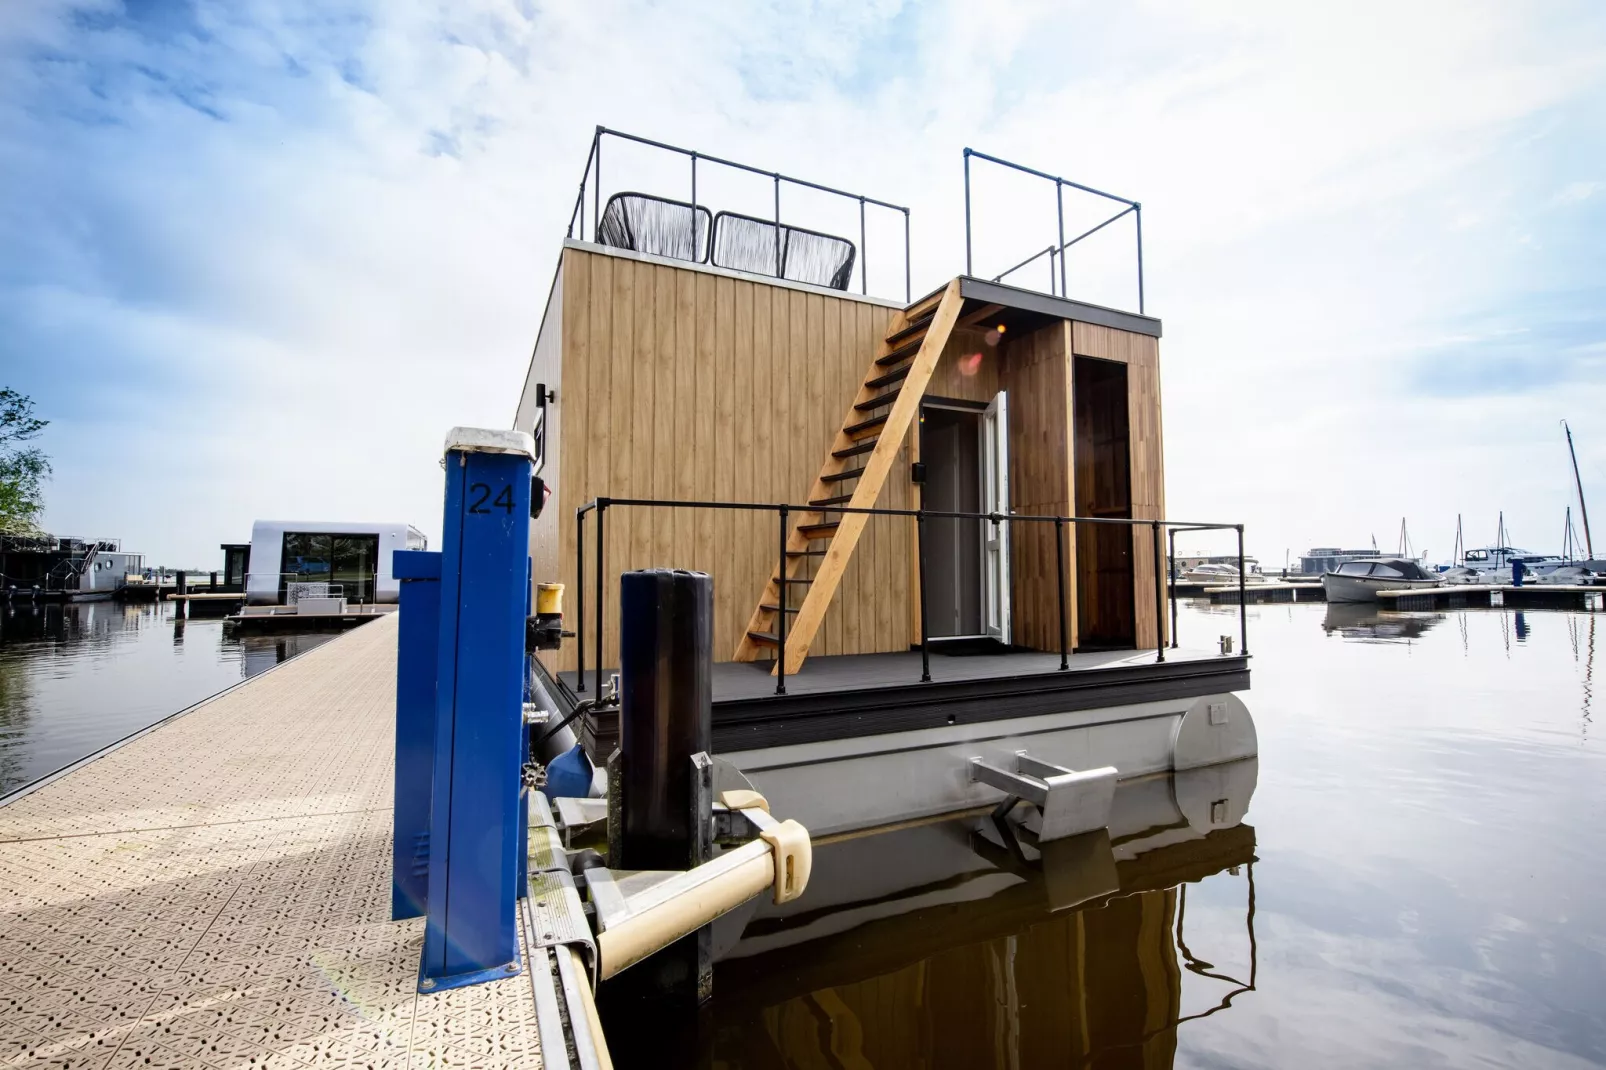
(997, 293)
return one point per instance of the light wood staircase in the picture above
(853, 474)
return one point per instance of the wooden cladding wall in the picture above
(1036, 375)
(1141, 354)
(685, 384)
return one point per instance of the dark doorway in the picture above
(1104, 599)
(950, 449)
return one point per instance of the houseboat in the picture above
(286, 558)
(935, 521)
(65, 568)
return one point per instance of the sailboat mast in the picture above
(1583, 510)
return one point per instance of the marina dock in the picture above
(1269, 592)
(1472, 595)
(215, 892)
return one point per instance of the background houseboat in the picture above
(62, 567)
(935, 525)
(351, 558)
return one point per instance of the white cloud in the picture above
(356, 258)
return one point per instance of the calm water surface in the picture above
(76, 677)
(1418, 881)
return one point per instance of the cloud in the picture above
(274, 249)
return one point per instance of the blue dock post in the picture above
(471, 934)
(417, 648)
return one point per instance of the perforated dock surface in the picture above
(216, 893)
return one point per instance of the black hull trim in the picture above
(786, 720)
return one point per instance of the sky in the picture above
(259, 256)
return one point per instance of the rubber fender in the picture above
(794, 857)
(568, 776)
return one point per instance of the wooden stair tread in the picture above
(767, 638)
(773, 608)
(838, 477)
(794, 580)
(807, 553)
(838, 500)
(857, 448)
(865, 425)
(903, 352)
(824, 530)
(888, 379)
(879, 400)
(913, 329)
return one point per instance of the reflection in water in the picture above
(1365, 622)
(963, 943)
(76, 677)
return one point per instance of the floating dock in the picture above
(216, 892)
(285, 618)
(1269, 592)
(1476, 595)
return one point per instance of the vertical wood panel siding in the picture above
(1037, 376)
(1141, 354)
(684, 384)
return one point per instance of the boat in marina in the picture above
(1219, 575)
(966, 588)
(1360, 580)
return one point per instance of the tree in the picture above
(23, 469)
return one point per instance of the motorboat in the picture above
(1359, 581)
(1219, 576)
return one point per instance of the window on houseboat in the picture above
(1354, 568)
(1387, 572)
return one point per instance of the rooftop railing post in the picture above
(1059, 573)
(1159, 598)
(596, 189)
(908, 291)
(602, 507)
(778, 268)
(864, 254)
(1051, 255)
(1059, 199)
(580, 595)
(920, 553)
(1137, 210)
(1243, 615)
(694, 208)
(780, 624)
(1171, 579)
(967, 213)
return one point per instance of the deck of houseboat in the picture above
(846, 695)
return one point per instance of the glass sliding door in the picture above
(347, 560)
(353, 558)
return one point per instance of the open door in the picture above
(995, 537)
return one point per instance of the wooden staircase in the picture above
(853, 474)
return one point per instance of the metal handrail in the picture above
(1132, 208)
(784, 510)
(594, 164)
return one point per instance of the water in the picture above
(76, 677)
(1417, 881)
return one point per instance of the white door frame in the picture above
(995, 607)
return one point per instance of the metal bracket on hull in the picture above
(1070, 802)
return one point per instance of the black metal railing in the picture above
(591, 180)
(1163, 569)
(1055, 252)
